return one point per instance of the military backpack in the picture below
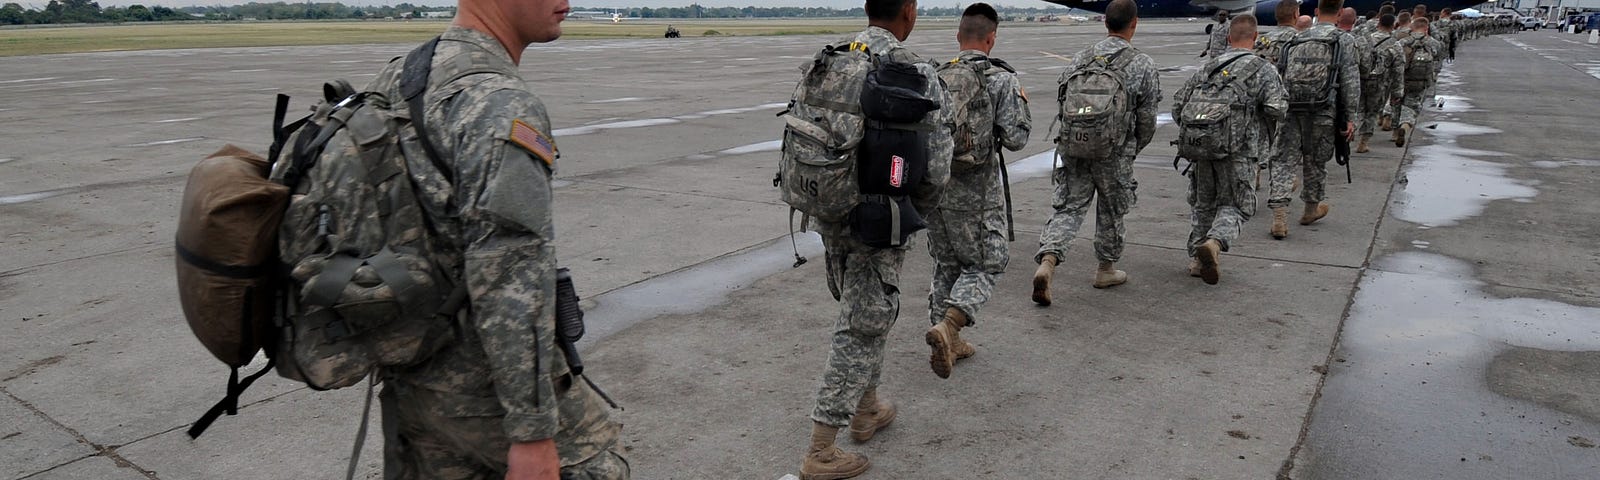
(973, 111)
(1419, 61)
(1096, 108)
(1217, 110)
(1310, 71)
(360, 277)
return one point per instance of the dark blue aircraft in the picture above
(1264, 8)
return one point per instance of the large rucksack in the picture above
(1366, 56)
(822, 128)
(1310, 72)
(972, 111)
(1217, 111)
(1096, 108)
(1419, 61)
(1379, 56)
(360, 277)
(854, 148)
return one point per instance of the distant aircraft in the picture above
(1263, 8)
(592, 15)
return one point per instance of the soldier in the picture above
(866, 280)
(1081, 178)
(1221, 194)
(1402, 31)
(1310, 59)
(1444, 30)
(1268, 46)
(1423, 54)
(1303, 23)
(1384, 82)
(501, 402)
(967, 232)
(1218, 42)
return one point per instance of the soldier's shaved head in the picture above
(885, 9)
(978, 22)
(1347, 18)
(1286, 12)
(1386, 9)
(1242, 29)
(1419, 25)
(1386, 21)
(1403, 21)
(1121, 15)
(1302, 23)
(1329, 8)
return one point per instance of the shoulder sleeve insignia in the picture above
(535, 142)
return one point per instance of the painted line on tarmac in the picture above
(248, 70)
(26, 80)
(167, 142)
(6, 160)
(30, 197)
(620, 100)
(92, 102)
(78, 82)
(652, 122)
(176, 120)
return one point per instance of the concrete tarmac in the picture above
(1471, 242)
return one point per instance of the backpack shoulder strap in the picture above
(413, 83)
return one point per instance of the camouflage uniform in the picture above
(1307, 138)
(1221, 193)
(1385, 82)
(1418, 89)
(1269, 46)
(1218, 42)
(866, 280)
(503, 380)
(1077, 182)
(1392, 110)
(1444, 30)
(967, 233)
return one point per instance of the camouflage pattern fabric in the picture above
(866, 280)
(1386, 81)
(1418, 91)
(1111, 180)
(1306, 140)
(1218, 42)
(504, 371)
(967, 233)
(1222, 194)
(1269, 46)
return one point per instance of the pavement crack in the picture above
(22, 270)
(109, 452)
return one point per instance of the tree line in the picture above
(88, 11)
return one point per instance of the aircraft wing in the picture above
(1235, 6)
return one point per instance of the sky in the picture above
(576, 4)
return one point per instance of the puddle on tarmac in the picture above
(696, 288)
(1411, 395)
(1447, 185)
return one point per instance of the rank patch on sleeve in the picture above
(534, 142)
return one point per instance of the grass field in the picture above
(35, 41)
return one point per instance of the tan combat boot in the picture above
(1108, 276)
(1207, 253)
(1314, 212)
(1280, 223)
(1194, 267)
(1386, 123)
(827, 462)
(1362, 148)
(871, 415)
(945, 338)
(1402, 135)
(1041, 279)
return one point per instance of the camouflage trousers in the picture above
(438, 437)
(1411, 105)
(1305, 145)
(866, 282)
(1222, 197)
(970, 251)
(1076, 183)
(1373, 102)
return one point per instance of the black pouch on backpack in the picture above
(881, 221)
(893, 156)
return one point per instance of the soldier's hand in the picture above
(1349, 130)
(533, 461)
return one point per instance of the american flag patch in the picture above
(534, 142)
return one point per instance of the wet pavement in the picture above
(1479, 267)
